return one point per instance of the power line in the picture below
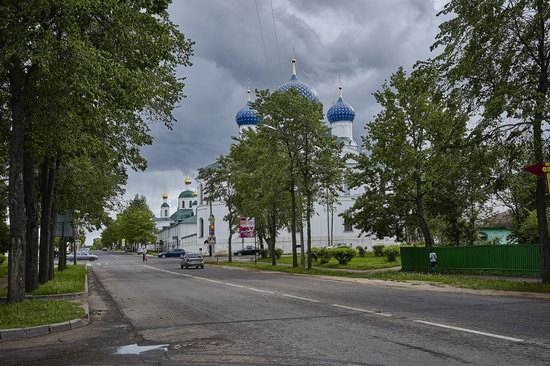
(263, 41)
(276, 39)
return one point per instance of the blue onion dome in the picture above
(165, 205)
(295, 83)
(341, 111)
(247, 115)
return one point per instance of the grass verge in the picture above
(369, 261)
(72, 279)
(31, 313)
(447, 279)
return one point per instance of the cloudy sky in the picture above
(362, 40)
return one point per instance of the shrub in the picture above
(391, 252)
(278, 253)
(324, 255)
(343, 255)
(361, 251)
(378, 250)
(2, 258)
(315, 254)
(264, 253)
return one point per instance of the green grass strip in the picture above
(31, 313)
(72, 279)
(461, 281)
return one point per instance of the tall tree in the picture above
(75, 71)
(409, 144)
(498, 53)
(219, 186)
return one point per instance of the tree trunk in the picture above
(273, 234)
(16, 193)
(542, 105)
(45, 208)
(421, 217)
(308, 224)
(29, 182)
(302, 243)
(541, 205)
(293, 223)
(230, 254)
(54, 168)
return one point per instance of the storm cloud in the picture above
(364, 41)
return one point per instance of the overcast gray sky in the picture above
(362, 40)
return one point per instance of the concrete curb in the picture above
(23, 333)
(410, 285)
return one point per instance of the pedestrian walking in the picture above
(433, 260)
(144, 253)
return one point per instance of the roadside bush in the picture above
(2, 258)
(264, 253)
(278, 253)
(324, 255)
(391, 252)
(378, 250)
(315, 254)
(343, 255)
(361, 251)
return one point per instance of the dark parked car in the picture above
(192, 260)
(175, 252)
(248, 250)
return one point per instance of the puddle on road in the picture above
(134, 349)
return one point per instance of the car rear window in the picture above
(194, 255)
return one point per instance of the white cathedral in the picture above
(187, 227)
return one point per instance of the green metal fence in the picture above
(520, 259)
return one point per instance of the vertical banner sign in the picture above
(546, 170)
(247, 228)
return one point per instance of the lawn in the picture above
(369, 261)
(31, 313)
(447, 279)
(72, 279)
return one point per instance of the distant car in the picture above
(192, 260)
(175, 252)
(103, 249)
(248, 250)
(83, 256)
(338, 245)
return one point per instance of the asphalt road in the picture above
(221, 316)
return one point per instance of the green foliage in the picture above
(264, 253)
(378, 250)
(278, 253)
(135, 224)
(343, 254)
(323, 255)
(528, 230)
(361, 251)
(2, 258)
(391, 252)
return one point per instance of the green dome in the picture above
(186, 194)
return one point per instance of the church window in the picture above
(201, 227)
(165, 212)
(347, 225)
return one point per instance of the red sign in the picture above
(247, 227)
(536, 169)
